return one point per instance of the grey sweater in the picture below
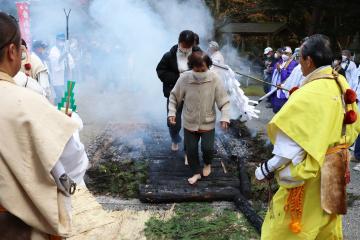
(199, 98)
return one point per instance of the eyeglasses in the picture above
(11, 40)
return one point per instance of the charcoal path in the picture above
(167, 180)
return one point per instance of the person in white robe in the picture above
(215, 54)
(349, 67)
(35, 68)
(294, 80)
(58, 57)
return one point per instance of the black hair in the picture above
(318, 48)
(23, 42)
(9, 33)
(187, 37)
(198, 58)
(196, 39)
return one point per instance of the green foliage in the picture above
(253, 90)
(199, 221)
(118, 177)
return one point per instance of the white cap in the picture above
(214, 45)
(287, 49)
(267, 50)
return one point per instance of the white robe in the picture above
(27, 82)
(357, 86)
(58, 67)
(294, 80)
(41, 75)
(218, 58)
(351, 74)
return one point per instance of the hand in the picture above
(278, 67)
(259, 175)
(172, 120)
(263, 172)
(224, 125)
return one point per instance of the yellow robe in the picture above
(312, 118)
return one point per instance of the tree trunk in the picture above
(315, 17)
(217, 7)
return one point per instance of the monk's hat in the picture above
(214, 45)
(267, 50)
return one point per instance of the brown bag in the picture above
(333, 180)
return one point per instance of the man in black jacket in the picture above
(172, 64)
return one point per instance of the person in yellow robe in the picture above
(315, 121)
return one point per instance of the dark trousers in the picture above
(191, 140)
(357, 149)
(267, 87)
(174, 130)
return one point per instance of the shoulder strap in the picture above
(347, 65)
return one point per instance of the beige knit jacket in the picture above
(199, 98)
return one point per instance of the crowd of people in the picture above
(313, 96)
(283, 72)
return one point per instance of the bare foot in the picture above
(186, 161)
(206, 170)
(174, 147)
(194, 179)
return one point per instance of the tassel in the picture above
(294, 205)
(350, 117)
(350, 96)
(293, 90)
(27, 66)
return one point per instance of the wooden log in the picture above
(163, 194)
(244, 206)
(182, 178)
(182, 182)
(186, 173)
(245, 184)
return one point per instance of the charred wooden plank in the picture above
(162, 194)
(182, 182)
(244, 206)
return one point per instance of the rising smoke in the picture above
(121, 42)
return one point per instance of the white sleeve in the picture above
(27, 82)
(74, 159)
(286, 147)
(44, 83)
(353, 74)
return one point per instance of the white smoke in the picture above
(124, 41)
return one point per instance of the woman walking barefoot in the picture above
(200, 89)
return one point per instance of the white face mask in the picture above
(23, 56)
(185, 51)
(344, 58)
(200, 76)
(285, 57)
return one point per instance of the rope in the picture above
(294, 205)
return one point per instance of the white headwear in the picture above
(267, 50)
(214, 45)
(287, 49)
